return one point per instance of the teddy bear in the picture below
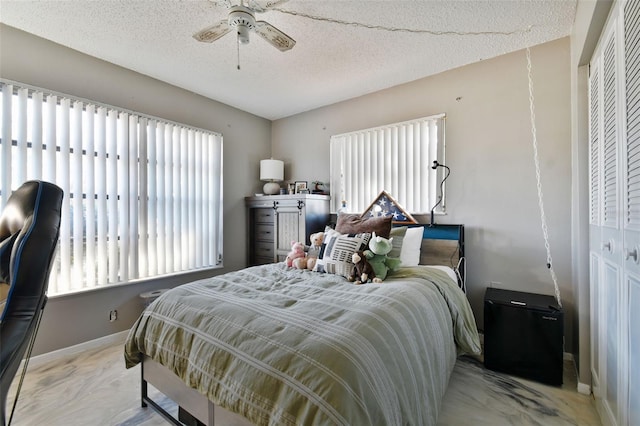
(297, 252)
(362, 269)
(314, 250)
(379, 247)
(300, 263)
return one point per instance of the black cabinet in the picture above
(523, 335)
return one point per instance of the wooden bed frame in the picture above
(441, 245)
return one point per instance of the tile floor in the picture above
(94, 388)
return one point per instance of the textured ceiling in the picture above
(343, 48)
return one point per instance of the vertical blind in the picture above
(396, 158)
(143, 196)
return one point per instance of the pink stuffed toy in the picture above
(297, 252)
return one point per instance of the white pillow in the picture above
(397, 234)
(410, 252)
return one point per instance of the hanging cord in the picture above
(543, 218)
(32, 341)
(463, 283)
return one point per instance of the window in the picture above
(396, 158)
(143, 196)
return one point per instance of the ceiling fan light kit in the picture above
(243, 20)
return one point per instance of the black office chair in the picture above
(29, 230)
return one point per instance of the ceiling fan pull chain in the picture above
(543, 218)
(238, 49)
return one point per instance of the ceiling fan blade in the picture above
(212, 33)
(274, 36)
(261, 6)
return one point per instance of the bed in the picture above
(281, 346)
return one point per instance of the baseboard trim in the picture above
(39, 360)
(584, 388)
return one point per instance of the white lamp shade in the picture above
(272, 170)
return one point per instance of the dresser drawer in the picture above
(261, 260)
(264, 233)
(264, 249)
(264, 215)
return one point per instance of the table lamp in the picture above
(271, 171)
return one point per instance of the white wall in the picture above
(69, 320)
(492, 187)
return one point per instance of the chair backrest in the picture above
(29, 231)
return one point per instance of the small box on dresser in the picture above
(524, 335)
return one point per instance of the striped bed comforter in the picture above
(284, 346)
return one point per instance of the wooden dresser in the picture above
(273, 221)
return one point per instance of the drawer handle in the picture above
(608, 246)
(632, 254)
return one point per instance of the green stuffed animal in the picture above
(379, 247)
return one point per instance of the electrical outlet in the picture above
(113, 315)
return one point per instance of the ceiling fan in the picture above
(242, 18)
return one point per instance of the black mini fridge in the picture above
(523, 335)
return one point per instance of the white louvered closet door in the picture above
(595, 229)
(607, 233)
(614, 86)
(631, 295)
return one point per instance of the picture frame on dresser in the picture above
(301, 185)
